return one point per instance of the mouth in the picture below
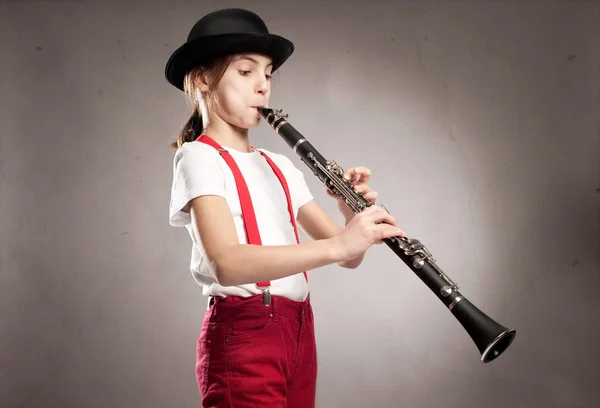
(257, 109)
(260, 109)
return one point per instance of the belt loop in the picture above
(302, 312)
(274, 308)
(213, 312)
(305, 310)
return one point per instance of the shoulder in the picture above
(196, 150)
(197, 156)
(197, 171)
(291, 172)
(279, 159)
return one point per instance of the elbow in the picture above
(217, 270)
(348, 265)
(224, 280)
(220, 274)
(221, 271)
(218, 261)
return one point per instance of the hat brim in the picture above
(194, 53)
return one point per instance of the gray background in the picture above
(480, 121)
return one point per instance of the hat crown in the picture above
(228, 21)
(225, 32)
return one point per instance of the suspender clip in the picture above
(266, 295)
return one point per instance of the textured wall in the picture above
(479, 119)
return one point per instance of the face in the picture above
(245, 85)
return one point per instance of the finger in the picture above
(360, 172)
(396, 232)
(370, 196)
(363, 173)
(383, 217)
(349, 175)
(357, 174)
(332, 194)
(371, 217)
(362, 188)
(371, 210)
(387, 231)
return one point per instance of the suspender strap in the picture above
(252, 233)
(250, 225)
(283, 182)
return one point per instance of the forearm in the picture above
(245, 263)
(353, 263)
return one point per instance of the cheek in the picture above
(233, 108)
(232, 100)
(226, 105)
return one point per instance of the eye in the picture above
(268, 77)
(244, 73)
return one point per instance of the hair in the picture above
(214, 71)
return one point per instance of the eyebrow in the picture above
(246, 57)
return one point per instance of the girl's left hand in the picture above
(358, 177)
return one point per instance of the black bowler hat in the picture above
(225, 32)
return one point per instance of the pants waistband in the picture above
(226, 308)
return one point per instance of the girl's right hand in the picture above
(367, 228)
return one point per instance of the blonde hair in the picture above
(195, 125)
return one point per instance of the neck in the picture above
(228, 135)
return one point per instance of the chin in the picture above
(247, 124)
(254, 123)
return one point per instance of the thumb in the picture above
(331, 194)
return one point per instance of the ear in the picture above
(202, 82)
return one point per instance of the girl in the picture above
(241, 207)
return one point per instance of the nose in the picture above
(262, 86)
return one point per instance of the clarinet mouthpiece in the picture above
(264, 111)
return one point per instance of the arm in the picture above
(318, 225)
(236, 264)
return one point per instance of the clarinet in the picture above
(491, 338)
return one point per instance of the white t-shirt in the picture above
(199, 169)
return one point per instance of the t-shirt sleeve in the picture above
(196, 172)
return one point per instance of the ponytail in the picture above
(191, 130)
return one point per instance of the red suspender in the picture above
(252, 232)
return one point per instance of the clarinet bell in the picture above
(490, 337)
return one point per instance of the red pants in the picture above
(252, 355)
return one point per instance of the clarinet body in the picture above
(491, 338)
